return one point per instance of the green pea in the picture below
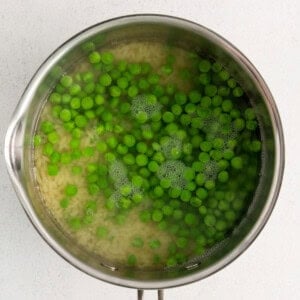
(66, 81)
(125, 203)
(145, 216)
(230, 215)
(94, 57)
(224, 75)
(131, 260)
(181, 242)
(115, 91)
(195, 202)
(145, 68)
(158, 191)
(65, 115)
(137, 198)
(170, 89)
(185, 195)
(221, 225)
(80, 121)
(209, 184)
(64, 203)
(201, 193)
(167, 210)
(171, 262)
(239, 124)
(76, 170)
(251, 125)
(228, 154)
(122, 149)
(154, 244)
(237, 92)
(46, 127)
(101, 146)
(250, 114)
(210, 90)
(141, 160)
(223, 176)
(206, 146)
(153, 79)
(145, 173)
(52, 169)
(110, 157)
(176, 109)
(177, 214)
(157, 215)
(55, 98)
(37, 140)
(168, 117)
(71, 190)
(204, 78)
(156, 259)
(107, 58)
(132, 91)
(237, 163)
(88, 151)
(66, 158)
(137, 242)
(135, 68)
(198, 166)
(202, 210)
(175, 192)
(129, 140)
(126, 190)
(204, 65)
(191, 219)
(75, 223)
(255, 146)
(210, 220)
(53, 137)
(227, 105)
(74, 89)
(190, 108)
(87, 103)
(180, 98)
(194, 96)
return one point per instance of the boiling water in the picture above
(146, 225)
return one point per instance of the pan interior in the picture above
(186, 38)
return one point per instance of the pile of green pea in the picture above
(189, 158)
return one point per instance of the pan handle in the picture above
(160, 294)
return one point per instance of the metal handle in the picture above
(160, 294)
(13, 149)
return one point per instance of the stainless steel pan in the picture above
(180, 33)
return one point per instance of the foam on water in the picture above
(145, 104)
(215, 129)
(118, 173)
(169, 144)
(211, 170)
(173, 170)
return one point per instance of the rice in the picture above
(117, 246)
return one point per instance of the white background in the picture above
(267, 32)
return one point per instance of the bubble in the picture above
(228, 133)
(212, 126)
(211, 169)
(145, 104)
(170, 145)
(215, 129)
(118, 173)
(115, 198)
(173, 170)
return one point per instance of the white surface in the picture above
(268, 32)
